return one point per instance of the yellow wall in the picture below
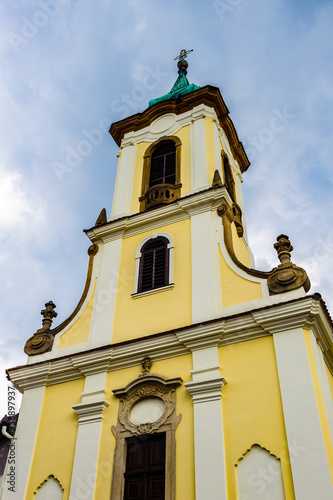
(169, 368)
(252, 407)
(240, 248)
(79, 332)
(235, 289)
(55, 445)
(160, 311)
(185, 166)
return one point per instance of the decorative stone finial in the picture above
(42, 340)
(217, 181)
(146, 365)
(283, 248)
(283, 278)
(286, 276)
(102, 218)
(48, 314)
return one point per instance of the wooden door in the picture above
(145, 468)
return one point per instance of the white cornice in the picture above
(248, 325)
(148, 134)
(204, 391)
(297, 314)
(126, 227)
(90, 412)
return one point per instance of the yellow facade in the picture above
(57, 430)
(165, 310)
(184, 135)
(175, 367)
(240, 378)
(79, 332)
(252, 407)
(235, 289)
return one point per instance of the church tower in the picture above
(183, 373)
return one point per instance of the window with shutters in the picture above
(154, 264)
(163, 163)
(161, 173)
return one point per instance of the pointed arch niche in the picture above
(50, 489)
(154, 192)
(259, 475)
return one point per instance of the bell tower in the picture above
(127, 391)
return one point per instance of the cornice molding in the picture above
(205, 391)
(305, 312)
(297, 314)
(90, 412)
(199, 202)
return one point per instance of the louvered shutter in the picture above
(154, 264)
(163, 165)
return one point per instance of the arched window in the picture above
(228, 178)
(154, 264)
(161, 173)
(163, 164)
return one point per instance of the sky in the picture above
(69, 69)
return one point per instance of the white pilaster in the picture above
(198, 151)
(90, 414)
(26, 435)
(217, 149)
(206, 391)
(124, 186)
(324, 384)
(309, 463)
(206, 286)
(109, 280)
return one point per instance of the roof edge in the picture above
(208, 95)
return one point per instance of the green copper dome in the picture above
(181, 86)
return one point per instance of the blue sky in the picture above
(69, 67)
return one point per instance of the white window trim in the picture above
(171, 246)
(153, 290)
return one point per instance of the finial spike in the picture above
(183, 54)
(48, 315)
(102, 218)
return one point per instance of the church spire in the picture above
(181, 85)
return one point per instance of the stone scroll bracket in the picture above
(283, 278)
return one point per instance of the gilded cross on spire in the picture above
(183, 53)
